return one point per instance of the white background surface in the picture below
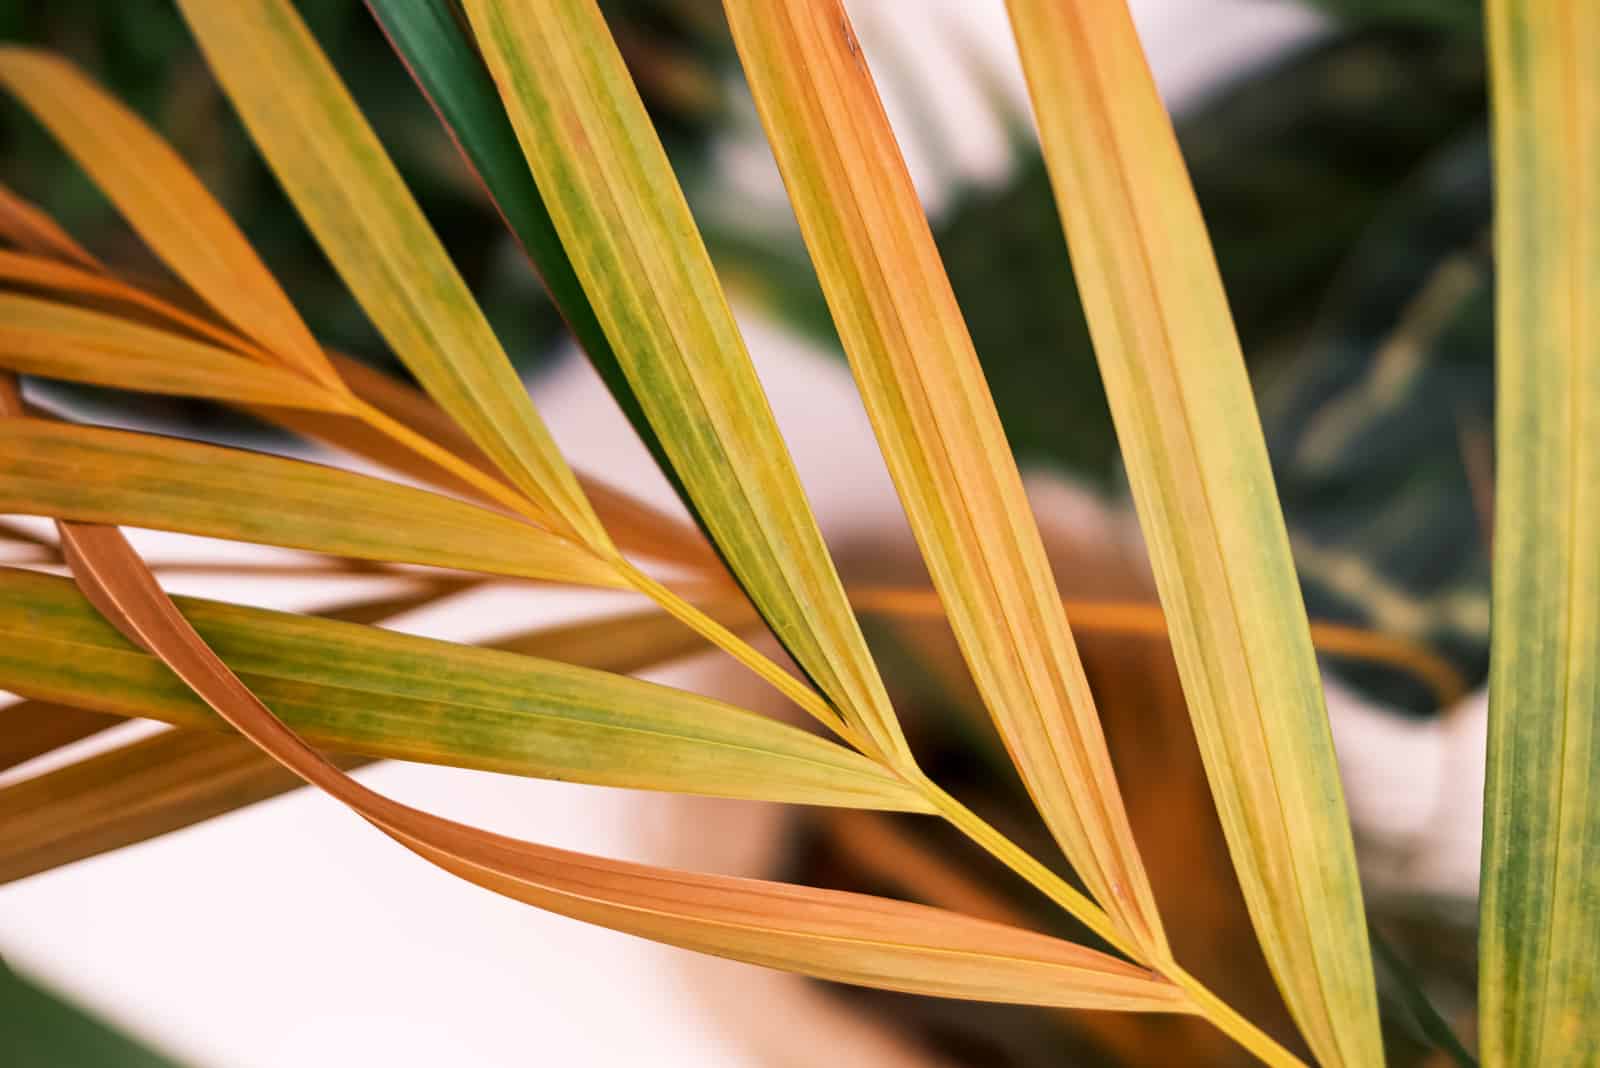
(292, 934)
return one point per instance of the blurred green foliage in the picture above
(40, 1030)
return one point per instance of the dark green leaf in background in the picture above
(40, 1030)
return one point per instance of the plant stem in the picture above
(1227, 1020)
(490, 487)
(958, 815)
(1019, 860)
(1223, 1016)
(742, 651)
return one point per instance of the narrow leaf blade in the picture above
(1539, 995)
(33, 728)
(1203, 488)
(354, 201)
(359, 689)
(622, 218)
(845, 937)
(431, 39)
(937, 425)
(162, 199)
(112, 476)
(41, 337)
(28, 227)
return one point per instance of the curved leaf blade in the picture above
(364, 690)
(845, 937)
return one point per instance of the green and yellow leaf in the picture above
(178, 778)
(355, 203)
(1203, 488)
(95, 475)
(364, 690)
(41, 337)
(431, 38)
(843, 937)
(937, 426)
(622, 218)
(1539, 987)
(165, 203)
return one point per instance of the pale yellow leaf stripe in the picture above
(1203, 487)
(164, 202)
(1539, 987)
(113, 476)
(939, 431)
(41, 337)
(355, 203)
(844, 937)
(622, 217)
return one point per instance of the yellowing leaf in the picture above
(112, 476)
(622, 218)
(41, 337)
(844, 937)
(174, 779)
(633, 525)
(1539, 989)
(163, 200)
(940, 433)
(1198, 468)
(365, 690)
(357, 206)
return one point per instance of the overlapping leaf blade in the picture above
(937, 425)
(178, 778)
(132, 793)
(1201, 482)
(1539, 993)
(623, 220)
(42, 337)
(163, 200)
(431, 38)
(356, 204)
(113, 476)
(845, 937)
(358, 689)
(93, 286)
